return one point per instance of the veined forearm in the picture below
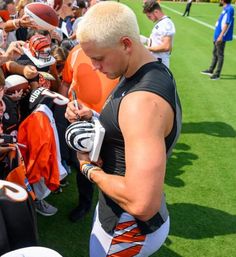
(117, 188)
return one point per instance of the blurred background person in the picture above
(79, 8)
(160, 42)
(188, 7)
(223, 33)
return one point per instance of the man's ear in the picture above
(126, 42)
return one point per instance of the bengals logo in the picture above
(12, 192)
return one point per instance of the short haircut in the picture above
(227, 1)
(150, 6)
(106, 23)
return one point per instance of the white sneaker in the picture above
(44, 208)
(207, 72)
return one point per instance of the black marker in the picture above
(75, 102)
(75, 99)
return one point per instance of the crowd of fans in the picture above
(31, 124)
(33, 151)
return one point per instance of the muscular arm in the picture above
(14, 67)
(10, 25)
(25, 21)
(29, 71)
(165, 46)
(3, 59)
(139, 191)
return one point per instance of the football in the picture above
(55, 4)
(43, 15)
(15, 83)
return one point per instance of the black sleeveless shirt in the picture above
(152, 77)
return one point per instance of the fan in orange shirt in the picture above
(92, 89)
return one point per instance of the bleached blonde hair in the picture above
(106, 23)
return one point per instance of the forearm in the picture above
(3, 59)
(14, 67)
(224, 29)
(164, 46)
(126, 194)
(160, 48)
(138, 194)
(11, 25)
(116, 188)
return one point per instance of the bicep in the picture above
(144, 132)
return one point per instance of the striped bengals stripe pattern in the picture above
(127, 240)
(38, 42)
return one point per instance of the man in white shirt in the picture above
(160, 41)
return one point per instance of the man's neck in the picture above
(160, 17)
(135, 64)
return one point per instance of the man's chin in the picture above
(111, 76)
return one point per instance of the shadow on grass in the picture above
(228, 76)
(194, 221)
(175, 167)
(217, 129)
(182, 157)
(166, 252)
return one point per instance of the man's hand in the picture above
(86, 167)
(27, 22)
(56, 35)
(30, 71)
(84, 158)
(219, 39)
(16, 96)
(14, 50)
(81, 113)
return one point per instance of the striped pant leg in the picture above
(126, 240)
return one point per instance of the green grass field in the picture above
(200, 183)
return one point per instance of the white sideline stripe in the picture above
(193, 19)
